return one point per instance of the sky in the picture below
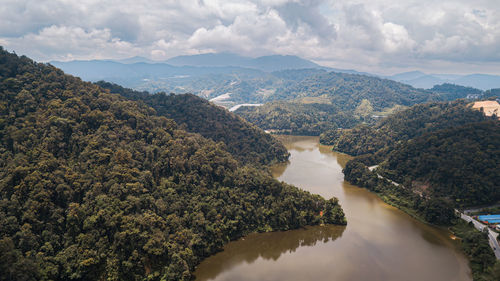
(378, 36)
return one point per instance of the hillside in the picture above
(443, 150)
(402, 126)
(297, 118)
(332, 100)
(348, 90)
(242, 139)
(97, 187)
(461, 163)
(452, 91)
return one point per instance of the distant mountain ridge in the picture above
(419, 79)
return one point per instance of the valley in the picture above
(379, 242)
(282, 140)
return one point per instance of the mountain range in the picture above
(419, 79)
(237, 79)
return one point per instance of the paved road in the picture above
(371, 168)
(491, 234)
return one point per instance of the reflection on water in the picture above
(267, 246)
(379, 243)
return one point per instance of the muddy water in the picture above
(379, 242)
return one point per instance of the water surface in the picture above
(379, 242)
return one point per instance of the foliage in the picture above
(492, 94)
(347, 91)
(476, 246)
(461, 163)
(245, 141)
(297, 118)
(451, 91)
(94, 186)
(327, 101)
(402, 126)
(432, 210)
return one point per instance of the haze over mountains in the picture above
(419, 79)
(196, 73)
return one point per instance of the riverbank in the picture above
(375, 245)
(431, 211)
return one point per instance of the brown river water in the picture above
(379, 242)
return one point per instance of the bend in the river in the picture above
(379, 243)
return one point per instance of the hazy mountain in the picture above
(135, 59)
(133, 74)
(242, 85)
(265, 63)
(422, 80)
(481, 81)
(212, 59)
(407, 76)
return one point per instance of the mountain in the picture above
(481, 81)
(94, 186)
(132, 74)
(309, 119)
(326, 101)
(210, 59)
(279, 62)
(240, 79)
(135, 59)
(264, 63)
(348, 90)
(243, 140)
(402, 126)
(462, 163)
(452, 91)
(407, 76)
(426, 81)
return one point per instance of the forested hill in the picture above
(97, 187)
(402, 126)
(443, 150)
(347, 91)
(461, 163)
(335, 100)
(298, 118)
(245, 141)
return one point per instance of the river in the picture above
(379, 242)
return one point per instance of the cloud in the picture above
(370, 35)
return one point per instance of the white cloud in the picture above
(370, 35)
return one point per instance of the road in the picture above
(371, 168)
(491, 234)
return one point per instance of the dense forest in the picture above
(94, 186)
(460, 163)
(432, 158)
(245, 141)
(401, 126)
(449, 91)
(327, 101)
(348, 90)
(298, 118)
(430, 209)
(445, 149)
(484, 265)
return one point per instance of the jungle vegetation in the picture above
(95, 186)
(243, 140)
